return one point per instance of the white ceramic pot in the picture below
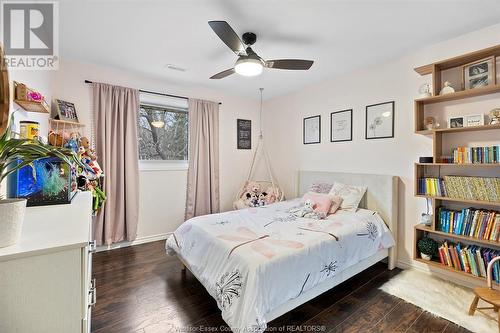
(425, 256)
(11, 220)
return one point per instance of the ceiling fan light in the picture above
(248, 67)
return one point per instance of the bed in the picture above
(260, 263)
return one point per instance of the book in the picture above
(471, 222)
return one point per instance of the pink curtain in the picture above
(115, 123)
(203, 173)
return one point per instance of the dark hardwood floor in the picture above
(141, 289)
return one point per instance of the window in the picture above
(163, 132)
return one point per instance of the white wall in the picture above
(394, 81)
(162, 193)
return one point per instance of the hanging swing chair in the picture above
(256, 193)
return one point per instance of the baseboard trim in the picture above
(137, 241)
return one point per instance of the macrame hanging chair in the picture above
(255, 193)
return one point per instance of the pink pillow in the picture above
(322, 202)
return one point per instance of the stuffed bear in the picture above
(262, 199)
(307, 211)
(306, 208)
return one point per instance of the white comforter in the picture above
(254, 260)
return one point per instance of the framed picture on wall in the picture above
(380, 121)
(244, 134)
(341, 126)
(312, 130)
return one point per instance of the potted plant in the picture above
(427, 247)
(15, 154)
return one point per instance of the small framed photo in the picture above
(474, 120)
(341, 126)
(65, 111)
(312, 130)
(456, 121)
(479, 74)
(380, 121)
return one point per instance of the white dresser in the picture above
(46, 279)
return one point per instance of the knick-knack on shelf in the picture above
(495, 116)
(447, 89)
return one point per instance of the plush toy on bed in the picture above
(307, 210)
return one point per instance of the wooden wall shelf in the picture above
(32, 106)
(65, 122)
(436, 264)
(491, 89)
(459, 129)
(467, 239)
(468, 202)
(465, 165)
(460, 60)
(451, 269)
(426, 169)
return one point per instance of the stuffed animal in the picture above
(89, 159)
(72, 143)
(262, 199)
(253, 187)
(306, 208)
(271, 195)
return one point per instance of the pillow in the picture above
(320, 188)
(322, 202)
(351, 195)
(336, 202)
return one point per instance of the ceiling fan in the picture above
(249, 63)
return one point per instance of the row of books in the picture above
(461, 187)
(475, 155)
(431, 186)
(470, 259)
(477, 223)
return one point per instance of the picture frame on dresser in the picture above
(341, 126)
(380, 121)
(312, 130)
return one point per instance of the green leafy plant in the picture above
(427, 246)
(18, 153)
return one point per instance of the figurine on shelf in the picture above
(430, 123)
(495, 116)
(72, 142)
(425, 90)
(447, 89)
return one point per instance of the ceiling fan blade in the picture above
(293, 64)
(223, 74)
(228, 36)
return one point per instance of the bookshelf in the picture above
(439, 167)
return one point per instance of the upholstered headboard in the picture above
(381, 194)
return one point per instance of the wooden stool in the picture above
(489, 295)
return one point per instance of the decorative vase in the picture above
(12, 212)
(425, 256)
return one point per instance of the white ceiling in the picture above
(144, 36)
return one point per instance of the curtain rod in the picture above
(156, 93)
